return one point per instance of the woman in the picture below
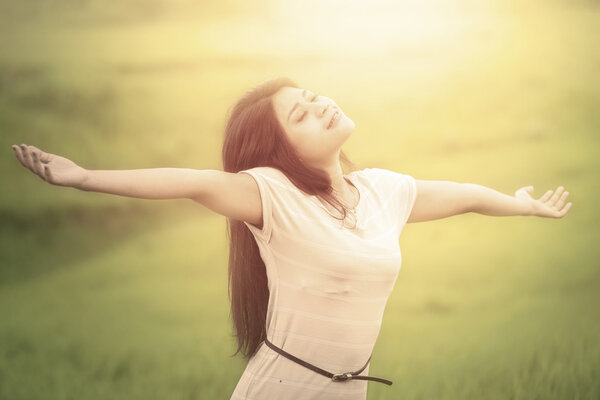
(314, 252)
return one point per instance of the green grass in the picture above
(104, 297)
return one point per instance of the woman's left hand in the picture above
(549, 205)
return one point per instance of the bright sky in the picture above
(341, 26)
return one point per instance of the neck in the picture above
(342, 189)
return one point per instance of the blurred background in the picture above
(110, 297)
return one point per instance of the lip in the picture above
(334, 119)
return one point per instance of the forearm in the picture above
(487, 201)
(153, 183)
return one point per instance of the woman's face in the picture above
(314, 124)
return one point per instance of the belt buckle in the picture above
(341, 377)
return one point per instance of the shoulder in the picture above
(375, 175)
(387, 183)
(267, 172)
(272, 177)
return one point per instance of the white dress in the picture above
(328, 284)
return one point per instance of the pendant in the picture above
(351, 219)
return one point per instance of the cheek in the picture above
(299, 139)
(308, 132)
(308, 141)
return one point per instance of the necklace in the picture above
(353, 196)
(351, 220)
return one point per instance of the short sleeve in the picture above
(273, 186)
(407, 194)
(400, 189)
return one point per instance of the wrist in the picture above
(84, 180)
(528, 207)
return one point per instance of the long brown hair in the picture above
(255, 138)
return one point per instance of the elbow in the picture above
(202, 182)
(470, 201)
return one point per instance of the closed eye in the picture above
(304, 113)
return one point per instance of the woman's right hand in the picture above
(51, 168)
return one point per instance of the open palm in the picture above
(50, 167)
(549, 205)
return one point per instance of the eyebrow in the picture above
(295, 105)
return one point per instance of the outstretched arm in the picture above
(153, 183)
(490, 202)
(440, 199)
(233, 195)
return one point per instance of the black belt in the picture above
(346, 376)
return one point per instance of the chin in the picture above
(346, 125)
(351, 123)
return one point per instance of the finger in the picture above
(48, 174)
(546, 196)
(524, 191)
(42, 156)
(556, 195)
(561, 201)
(26, 157)
(17, 151)
(37, 165)
(565, 210)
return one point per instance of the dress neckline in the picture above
(350, 177)
(355, 214)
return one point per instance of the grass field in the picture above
(105, 297)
